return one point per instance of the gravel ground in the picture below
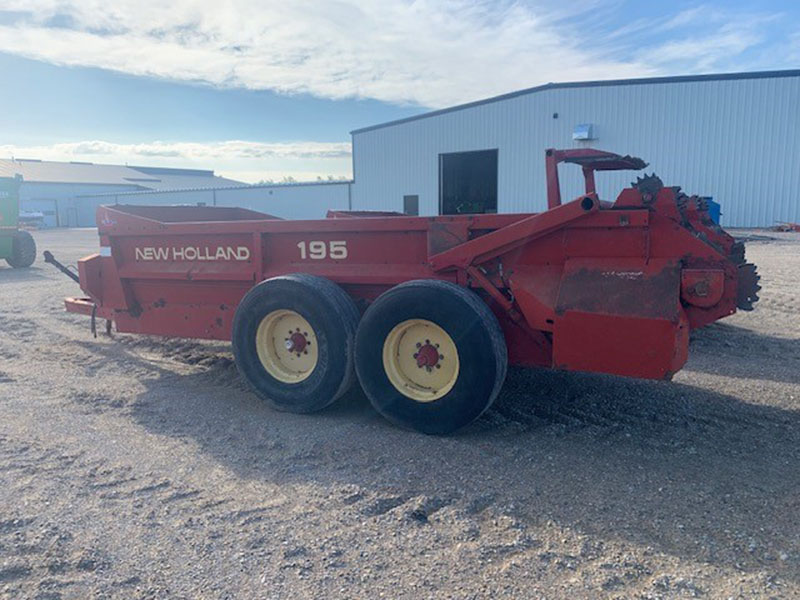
(140, 467)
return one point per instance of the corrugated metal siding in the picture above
(46, 171)
(71, 173)
(736, 140)
(285, 201)
(48, 208)
(70, 213)
(290, 202)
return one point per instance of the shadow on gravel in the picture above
(731, 351)
(30, 274)
(679, 469)
(658, 412)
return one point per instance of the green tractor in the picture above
(16, 246)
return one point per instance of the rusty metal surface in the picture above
(590, 160)
(702, 287)
(628, 288)
(748, 288)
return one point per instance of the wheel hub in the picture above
(287, 346)
(296, 342)
(420, 360)
(428, 355)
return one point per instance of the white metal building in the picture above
(51, 187)
(734, 137)
(285, 200)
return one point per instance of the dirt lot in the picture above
(139, 467)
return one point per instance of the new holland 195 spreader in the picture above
(426, 311)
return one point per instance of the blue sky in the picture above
(257, 89)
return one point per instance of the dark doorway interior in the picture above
(468, 182)
(411, 205)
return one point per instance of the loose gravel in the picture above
(136, 467)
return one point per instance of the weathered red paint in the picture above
(586, 285)
(590, 160)
(702, 287)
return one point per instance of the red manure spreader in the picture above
(426, 312)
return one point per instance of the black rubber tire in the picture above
(334, 317)
(483, 358)
(23, 250)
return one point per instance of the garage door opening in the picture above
(468, 182)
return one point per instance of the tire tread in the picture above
(384, 398)
(23, 250)
(345, 312)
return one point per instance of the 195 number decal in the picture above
(318, 250)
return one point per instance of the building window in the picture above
(468, 182)
(411, 205)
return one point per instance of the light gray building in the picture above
(734, 137)
(53, 188)
(285, 200)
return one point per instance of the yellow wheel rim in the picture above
(421, 360)
(287, 346)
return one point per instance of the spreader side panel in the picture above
(620, 345)
(620, 316)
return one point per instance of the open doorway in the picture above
(468, 182)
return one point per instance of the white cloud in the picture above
(189, 150)
(431, 52)
(706, 39)
(434, 53)
(793, 51)
(242, 160)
